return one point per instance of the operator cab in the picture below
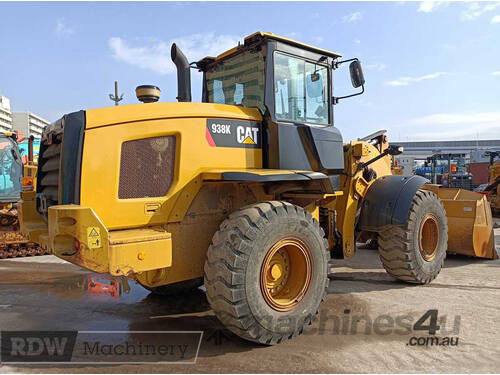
(291, 84)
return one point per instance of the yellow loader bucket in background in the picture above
(470, 223)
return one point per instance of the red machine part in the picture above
(103, 286)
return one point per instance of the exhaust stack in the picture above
(183, 74)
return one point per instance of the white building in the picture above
(5, 114)
(29, 123)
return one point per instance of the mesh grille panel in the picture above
(146, 167)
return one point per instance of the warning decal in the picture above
(94, 237)
(233, 133)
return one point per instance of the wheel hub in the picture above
(429, 237)
(276, 271)
(286, 274)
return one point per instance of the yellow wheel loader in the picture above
(250, 192)
(493, 188)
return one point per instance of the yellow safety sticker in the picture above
(94, 237)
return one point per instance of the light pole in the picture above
(115, 97)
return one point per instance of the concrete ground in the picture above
(44, 293)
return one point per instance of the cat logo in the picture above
(247, 135)
(233, 133)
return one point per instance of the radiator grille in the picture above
(146, 167)
(59, 162)
(48, 175)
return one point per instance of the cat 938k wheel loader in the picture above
(250, 192)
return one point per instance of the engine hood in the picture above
(153, 111)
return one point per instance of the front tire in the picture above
(266, 271)
(415, 252)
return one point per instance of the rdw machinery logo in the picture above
(40, 346)
(87, 347)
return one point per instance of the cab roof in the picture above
(261, 36)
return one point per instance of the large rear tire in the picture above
(415, 252)
(266, 271)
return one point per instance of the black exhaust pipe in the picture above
(31, 141)
(183, 74)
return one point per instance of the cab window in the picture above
(238, 80)
(301, 90)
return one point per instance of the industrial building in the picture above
(421, 150)
(477, 164)
(28, 123)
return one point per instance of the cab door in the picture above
(301, 134)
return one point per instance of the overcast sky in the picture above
(432, 68)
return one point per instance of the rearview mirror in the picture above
(357, 77)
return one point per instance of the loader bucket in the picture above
(470, 223)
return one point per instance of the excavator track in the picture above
(8, 219)
(13, 244)
(20, 249)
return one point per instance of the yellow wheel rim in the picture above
(429, 237)
(286, 274)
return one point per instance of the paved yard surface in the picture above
(44, 293)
